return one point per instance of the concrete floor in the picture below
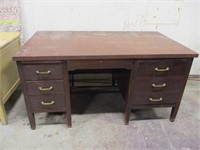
(98, 124)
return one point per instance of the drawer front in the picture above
(43, 72)
(155, 98)
(158, 85)
(99, 64)
(45, 87)
(164, 68)
(47, 103)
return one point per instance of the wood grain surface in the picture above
(63, 45)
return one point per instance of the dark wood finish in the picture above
(67, 92)
(58, 96)
(33, 87)
(164, 98)
(177, 67)
(132, 55)
(36, 103)
(30, 114)
(38, 62)
(55, 72)
(174, 110)
(99, 64)
(140, 98)
(128, 98)
(152, 106)
(60, 45)
(152, 85)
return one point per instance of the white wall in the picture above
(177, 19)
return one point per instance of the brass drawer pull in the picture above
(162, 70)
(159, 85)
(43, 72)
(46, 89)
(45, 103)
(156, 100)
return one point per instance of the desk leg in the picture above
(3, 116)
(128, 101)
(31, 118)
(127, 114)
(67, 93)
(174, 112)
(128, 98)
(68, 112)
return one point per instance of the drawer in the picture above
(165, 67)
(158, 98)
(159, 84)
(45, 87)
(48, 103)
(99, 64)
(43, 72)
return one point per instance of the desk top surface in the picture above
(65, 45)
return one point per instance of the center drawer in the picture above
(45, 87)
(99, 64)
(48, 103)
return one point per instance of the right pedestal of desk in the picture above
(155, 83)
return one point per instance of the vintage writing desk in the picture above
(151, 69)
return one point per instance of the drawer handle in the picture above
(43, 72)
(45, 103)
(159, 85)
(162, 70)
(156, 99)
(46, 89)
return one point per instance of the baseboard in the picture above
(194, 76)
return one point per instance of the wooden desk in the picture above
(152, 69)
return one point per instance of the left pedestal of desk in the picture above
(45, 87)
(9, 78)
